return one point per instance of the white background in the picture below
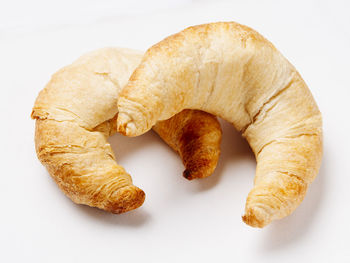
(181, 221)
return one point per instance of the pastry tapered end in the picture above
(256, 217)
(125, 199)
(190, 174)
(201, 168)
(201, 156)
(125, 125)
(133, 118)
(196, 136)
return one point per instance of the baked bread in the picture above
(75, 114)
(231, 71)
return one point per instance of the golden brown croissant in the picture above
(76, 113)
(231, 71)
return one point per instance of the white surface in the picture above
(180, 221)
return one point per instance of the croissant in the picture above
(231, 71)
(75, 114)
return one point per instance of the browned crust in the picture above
(83, 166)
(196, 136)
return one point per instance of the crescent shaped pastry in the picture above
(231, 71)
(76, 113)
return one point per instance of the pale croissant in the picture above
(231, 71)
(76, 113)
